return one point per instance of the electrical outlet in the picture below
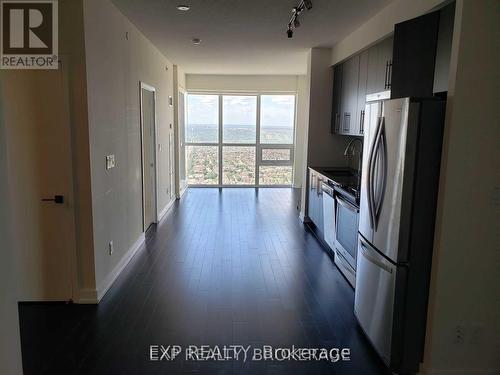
(110, 161)
(459, 334)
(111, 248)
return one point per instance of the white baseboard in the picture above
(110, 279)
(163, 212)
(181, 193)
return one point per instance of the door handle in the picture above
(347, 205)
(58, 199)
(373, 260)
(370, 172)
(383, 160)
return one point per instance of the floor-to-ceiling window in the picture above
(240, 139)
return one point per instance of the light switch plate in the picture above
(110, 161)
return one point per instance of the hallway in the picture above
(228, 266)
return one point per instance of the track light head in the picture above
(289, 33)
(308, 4)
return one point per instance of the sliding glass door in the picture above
(240, 140)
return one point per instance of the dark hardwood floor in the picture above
(227, 266)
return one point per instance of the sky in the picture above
(276, 110)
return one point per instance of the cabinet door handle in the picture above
(362, 122)
(386, 71)
(347, 121)
(389, 74)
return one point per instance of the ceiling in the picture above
(244, 36)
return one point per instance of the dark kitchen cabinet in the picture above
(414, 56)
(365, 73)
(379, 66)
(336, 97)
(315, 200)
(361, 100)
(443, 50)
(349, 95)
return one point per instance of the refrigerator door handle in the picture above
(372, 259)
(382, 148)
(371, 171)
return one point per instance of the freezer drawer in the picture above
(374, 297)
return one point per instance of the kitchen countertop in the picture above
(344, 180)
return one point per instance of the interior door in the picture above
(40, 167)
(149, 160)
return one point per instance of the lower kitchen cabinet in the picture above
(315, 200)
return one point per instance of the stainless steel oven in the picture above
(346, 237)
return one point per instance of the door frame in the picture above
(73, 256)
(145, 86)
(180, 144)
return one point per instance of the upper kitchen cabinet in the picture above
(443, 50)
(365, 73)
(414, 56)
(362, 91)
(336, 97)
(349, 95)
(379, 66)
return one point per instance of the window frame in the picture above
(258, 146)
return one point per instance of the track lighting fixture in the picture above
(294, 20)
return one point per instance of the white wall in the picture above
(323, 149)
(118, 57)
(248, 83)
(21, 131)
(379, 26)
(180, 149)
(465, 287)
(302, 121)
(263, 83)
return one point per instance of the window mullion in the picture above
(220, 138)
(257, 142)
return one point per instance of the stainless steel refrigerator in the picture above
(400, 173)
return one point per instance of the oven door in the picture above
(346, 230)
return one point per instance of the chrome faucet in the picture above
(351, 147)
